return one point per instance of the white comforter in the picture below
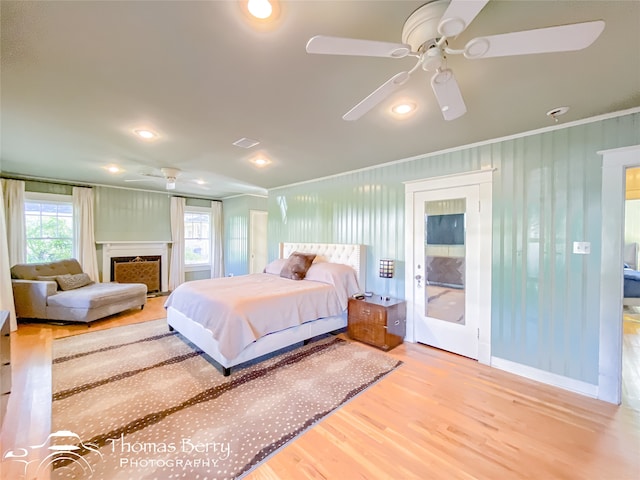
(239, 310)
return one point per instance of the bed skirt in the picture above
(203, 339)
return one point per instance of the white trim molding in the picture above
(561, 126)
(133, 249)
(614, 165)
(484, 179)
(546, 377)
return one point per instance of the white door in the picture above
(446, 269)
(257, 241)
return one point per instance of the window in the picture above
(49, 227)
(197, 236)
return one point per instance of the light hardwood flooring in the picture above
(437, 416)
(631, 358)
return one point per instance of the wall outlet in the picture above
(582, 248)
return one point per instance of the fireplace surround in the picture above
(142, 249)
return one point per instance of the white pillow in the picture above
(343, 277)
(329, 272)
(275, 267)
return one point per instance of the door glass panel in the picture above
(444, 250)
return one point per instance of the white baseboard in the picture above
(548, 378)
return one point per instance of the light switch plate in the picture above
(582, 248)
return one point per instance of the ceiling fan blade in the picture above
(447, 92)
(564, 38)
(350, 46)
(382, 92)
(458, 15)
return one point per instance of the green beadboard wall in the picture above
(546, 194)
(45, 187)
(117, 210)
(131, 215)
(236, 231)
(150, 212)
(127, 215)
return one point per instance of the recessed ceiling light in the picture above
(113, 169)
(403, 108)
(260, 8)
(200, 182)
(146, 134)
(260, 161)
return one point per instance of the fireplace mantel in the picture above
(132, 249)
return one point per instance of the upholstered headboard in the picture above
(631, 255)
(353, 255)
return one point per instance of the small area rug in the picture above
(141, 402)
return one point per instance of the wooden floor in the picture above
(437, 416)
(631, 358)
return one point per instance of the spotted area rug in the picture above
(140, 402)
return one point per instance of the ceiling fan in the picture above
(426, 34)
(169, 175)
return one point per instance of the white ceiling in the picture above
(78, 76)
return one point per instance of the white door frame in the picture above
(484, 179)
(614, 165)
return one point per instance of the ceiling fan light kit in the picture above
(426, 34)
(169, 175)
(422, 25)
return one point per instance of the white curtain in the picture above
(176, 269)
(217, 240)
(6, 292)
(13, 197)
(83, 232)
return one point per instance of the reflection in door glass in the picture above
(444, 250)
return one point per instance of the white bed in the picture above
(348, 254)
